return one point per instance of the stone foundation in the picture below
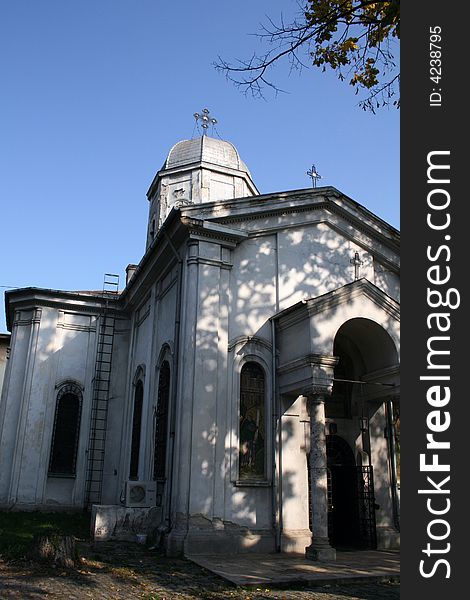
(113, 522)
(228, 542)
(200, 535)
(295, 541)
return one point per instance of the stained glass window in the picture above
(252, 422)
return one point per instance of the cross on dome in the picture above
(206, 119)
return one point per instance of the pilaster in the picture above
(24, 406)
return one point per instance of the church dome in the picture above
(205, 149)
(196, 171)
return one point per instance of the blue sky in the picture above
(95, 93)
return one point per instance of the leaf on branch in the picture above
(350, 35)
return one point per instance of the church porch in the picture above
(337, 382)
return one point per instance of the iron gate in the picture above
(351, 506)
(366, 506)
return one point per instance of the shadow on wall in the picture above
(309, 264)
(65, 353)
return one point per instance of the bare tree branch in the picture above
(351, 37)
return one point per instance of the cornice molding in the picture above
(321, 360)
(200, 229)
(37, 299)
(302, 201)
(212, 262)
(312, 360)
(200, 165)
(75, 327)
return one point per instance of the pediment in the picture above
(343, 295)
(322, 207)
(347, 293)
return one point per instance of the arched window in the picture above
(252, 422)
(65, 433)
(161, 421)
(136, 427)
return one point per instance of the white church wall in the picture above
(165, 307)
(74, 343)
(294, 345)
(221, 187)
(57, 348)
(112, 478)
(143, 334)
(380, 461)
(253, 285)
(11, 400)
(205, 384)
(387, 280)
(138, 368)
(309, 261)
(251, 507)
(153, 324)
(162, 349)
(327, 322)
(205, 452)
(30, 462)
(299, 246)
(4, 346)
(184, 401)
(302, 261)
(294, 478)
(312, 261)
(247, 504)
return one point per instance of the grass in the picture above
(17, 529)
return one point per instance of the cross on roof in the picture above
(206, 119)
(357, 262)
(314, 175)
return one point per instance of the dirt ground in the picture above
(119, 571)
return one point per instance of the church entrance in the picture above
(351, 510)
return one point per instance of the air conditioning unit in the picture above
(140, 494)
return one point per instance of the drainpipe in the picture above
(276, 432)
(393, 467)
(175, 376)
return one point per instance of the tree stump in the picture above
(55, 549)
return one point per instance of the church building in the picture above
(239, 394)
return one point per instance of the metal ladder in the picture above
(100, 401)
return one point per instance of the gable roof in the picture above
(342, 294)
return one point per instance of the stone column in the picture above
(320, 548)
